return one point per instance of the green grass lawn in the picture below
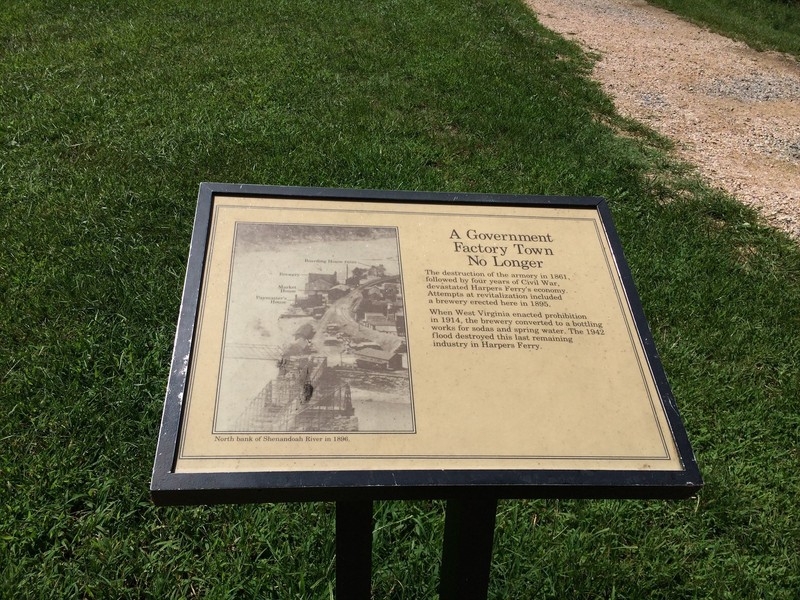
(763, 24)
(112, 113)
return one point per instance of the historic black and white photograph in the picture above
(315, 335)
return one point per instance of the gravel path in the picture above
(730, 110)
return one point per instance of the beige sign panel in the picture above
(375, 336)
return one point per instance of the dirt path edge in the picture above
(732, 111)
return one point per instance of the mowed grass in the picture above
(112, 113)
(762, 24)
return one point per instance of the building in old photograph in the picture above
(379, 322)
(337, 292)
(320, 283)
(380, 360)
(306, 395)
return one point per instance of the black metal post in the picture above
(354, 550)
(467, 550)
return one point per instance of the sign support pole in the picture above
(354, 549)
(467, 550)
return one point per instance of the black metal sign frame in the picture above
(171, 488)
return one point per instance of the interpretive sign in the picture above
(403, 344)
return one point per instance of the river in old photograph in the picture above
(315, 336)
